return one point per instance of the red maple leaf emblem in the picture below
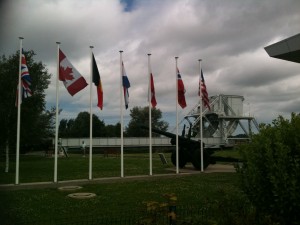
(66, 73)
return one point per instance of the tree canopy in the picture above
(35, 119)
(140, 116)
(80, 126)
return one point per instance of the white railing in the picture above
(111, 142)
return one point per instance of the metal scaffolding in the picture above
(219, 123)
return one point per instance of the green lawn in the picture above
(114, 197)
(37, 168)
(233, 153)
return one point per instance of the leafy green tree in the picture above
(113, 130)
(270, 174)
(80, 126)
(63, 128)
(35, 120)
(140, 116)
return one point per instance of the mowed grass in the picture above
(115, 197)
(38, 168)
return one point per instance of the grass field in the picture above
(37, 168)
(113, 197)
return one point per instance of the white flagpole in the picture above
(201, 128)
(177, 151)
(56, 117)
(91, 117)
(19, 116)
(121, 112)
(150, 117)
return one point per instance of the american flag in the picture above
(25, 80)
(203, 93)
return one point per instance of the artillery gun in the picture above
(218, 126)
(188, 149)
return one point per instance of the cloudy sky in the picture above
(229, 35)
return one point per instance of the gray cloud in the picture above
(228, 35)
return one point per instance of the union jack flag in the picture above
(25, 80)
(203, 91)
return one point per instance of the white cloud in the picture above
(228, 35)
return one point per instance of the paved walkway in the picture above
(189, 170)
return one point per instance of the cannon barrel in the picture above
(189, 150)
(181, 140)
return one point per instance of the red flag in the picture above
(204, 94)
(181, 91)
(152, 89)
(97, 82)
(71, 78)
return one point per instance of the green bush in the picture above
(270, 174)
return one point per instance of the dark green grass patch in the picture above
(114, 198)
(37, 168)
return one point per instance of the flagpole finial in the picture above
(149, 54)
(176, 57)
(120, 51)
(91, 46)
(199, 60)
(58, 42)
(21, 38)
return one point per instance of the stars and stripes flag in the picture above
(126, 85)
(25, 80)
(181, 91)
(203, 91)
(98, 83)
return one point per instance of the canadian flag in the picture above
(70, 76)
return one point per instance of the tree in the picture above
(80, 126)
(140, 116)
(270, 172)
(113, 130)
(35, 120)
